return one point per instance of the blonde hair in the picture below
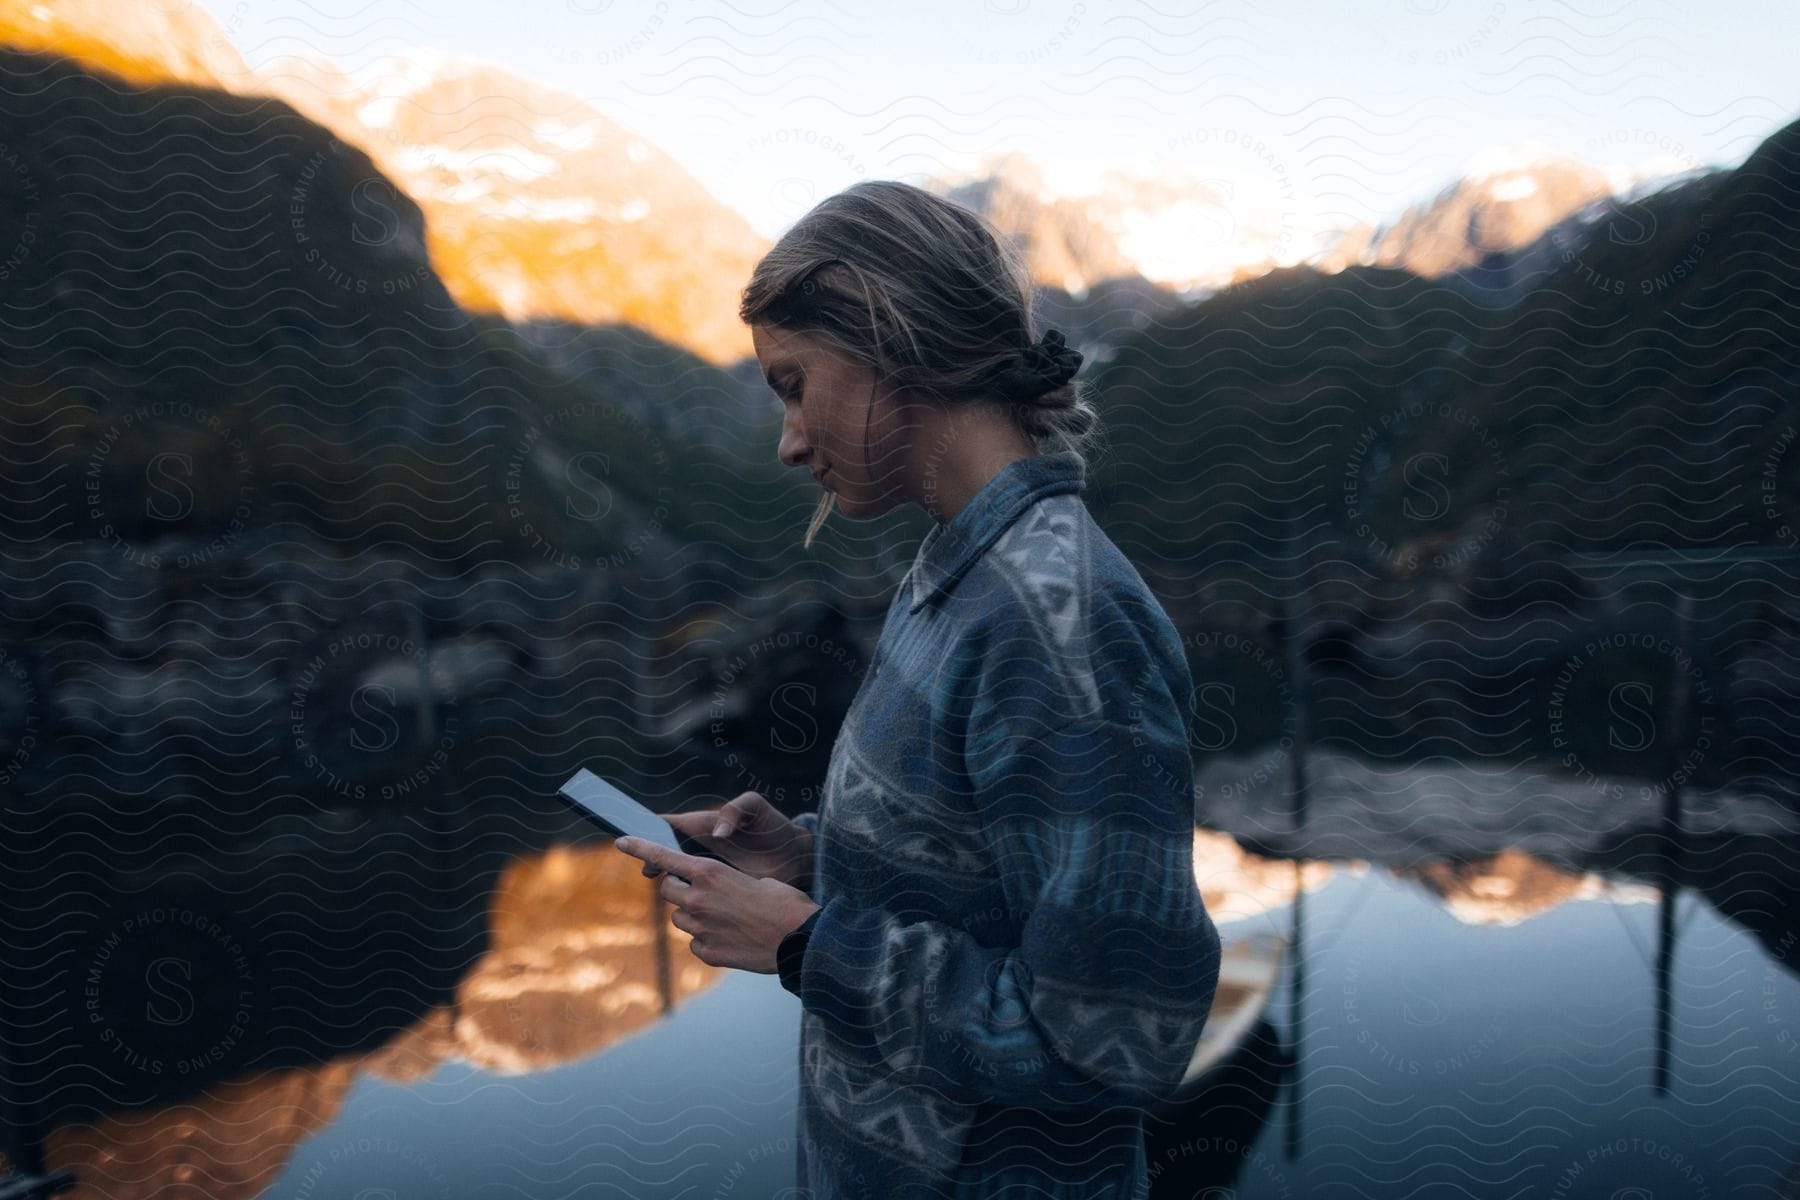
(924, 293)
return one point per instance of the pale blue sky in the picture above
(1327, 112)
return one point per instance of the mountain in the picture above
(663, 387)
(541, 209)
(1180, 231)
(1639, 394)
(223, 299)
(1197, 227)
(1086, 286)
(1195, 230)
(1065, 242)
(241, 311)
(143, 43)
(537, 205)
(1505, 200)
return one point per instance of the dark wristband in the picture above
(792, 950)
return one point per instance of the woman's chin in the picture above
(860, 509)
(864, 507)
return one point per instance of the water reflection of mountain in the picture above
(556, 954)
(1500, 846)
(571, 951)
(360, 961)
(581, 953)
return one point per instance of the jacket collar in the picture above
(951, 548)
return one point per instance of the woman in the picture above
(992, 923)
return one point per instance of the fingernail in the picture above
(721, 829)
(626, 844)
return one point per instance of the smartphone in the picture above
(621, 816)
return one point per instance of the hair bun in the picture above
(1041, 367)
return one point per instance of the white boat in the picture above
(1248, 968)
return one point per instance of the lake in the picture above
(1584, 1018)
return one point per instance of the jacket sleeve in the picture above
(809, 821)
(1083, 788)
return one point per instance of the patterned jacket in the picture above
(1012, 957)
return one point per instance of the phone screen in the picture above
(622, 816)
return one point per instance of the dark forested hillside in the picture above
(1643, 394)
(216, 317)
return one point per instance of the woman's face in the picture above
(826, 407)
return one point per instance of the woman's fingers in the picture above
(729, 818)
(742, 813)
(694, 824)
(691, 823)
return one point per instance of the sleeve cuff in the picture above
(809, 821)
(792, 951)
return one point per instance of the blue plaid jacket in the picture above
(1012, 957)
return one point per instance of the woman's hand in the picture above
(753, 836)
(732, 919)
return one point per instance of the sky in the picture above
(1308, 116)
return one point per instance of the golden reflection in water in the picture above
(1513, 886)
(1503, 888)
(580, 954)
(1237, 884)
(230, 1143)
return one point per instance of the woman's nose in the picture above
(792, 448)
